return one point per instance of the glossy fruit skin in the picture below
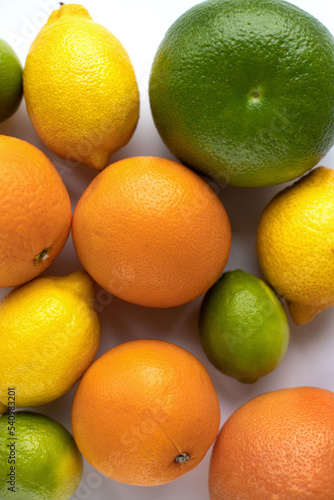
(243, 326)
(35, 212)
(151, 232)
(295, 241)
(47, 461)
(11, 88)
(139, 407)
(277, 445)
(80, 88)
(50, 334)
(243, 90)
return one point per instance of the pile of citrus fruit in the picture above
(242, 92)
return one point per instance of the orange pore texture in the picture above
(279, 445)
(141, 405)
(152, 232)
(35, 211)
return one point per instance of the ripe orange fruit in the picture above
(152, 232)
(35, 212)
(277, 446)
(145, 413)
(243, 90)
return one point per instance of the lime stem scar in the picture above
(42, 256)
(255, 94)
(183, 457)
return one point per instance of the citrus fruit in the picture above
(145, 413)
(39, 459)
(80, 88)
(295, 242)
(277, 446)
(151, 232)
(35, 212)
(243, 90)
(50, 334)
(243, 326)
(11, 90)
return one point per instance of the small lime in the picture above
(243, 326)
(11, 89)
(39, 459)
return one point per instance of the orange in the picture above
(145, 413)
(277, 446)
(152, 232)
(35, 212)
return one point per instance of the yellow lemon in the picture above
(295, 244)
(80, 88)
(49, 335)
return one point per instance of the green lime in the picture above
(243, 90)
(11, 90)
(39, 459)
(243, 326)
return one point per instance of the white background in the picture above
(140, 25)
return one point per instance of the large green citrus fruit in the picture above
(10, 81)
(39, 459)
(243, 327)
(243, 90)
